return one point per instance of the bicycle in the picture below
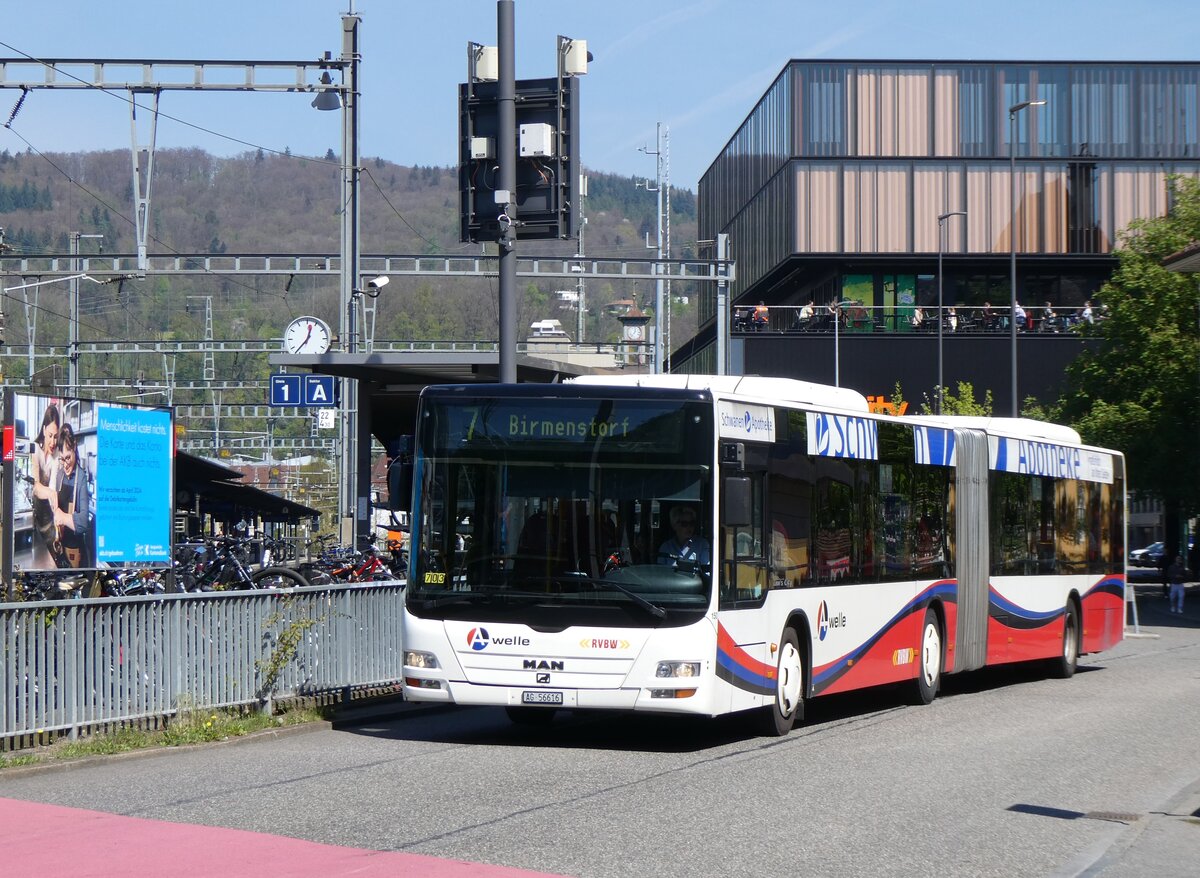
(222, 568)
(37, 585)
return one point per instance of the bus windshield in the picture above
(558, 510)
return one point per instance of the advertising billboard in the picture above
(90, 482)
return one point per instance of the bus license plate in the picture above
(540, 697)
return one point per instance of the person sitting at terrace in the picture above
(759, 317)
(1049, 319)
(804, 317)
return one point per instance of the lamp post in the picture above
(942, 217)
(1012, 240)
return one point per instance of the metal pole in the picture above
(352, 500)
(73, 316)
(722, 254)
(73, 321)
(506, 148)
(658, 225)
(837, 329)
(941, 393)
(1012, 241)
(941, 386)
(580, 291)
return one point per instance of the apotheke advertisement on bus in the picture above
(89, 483)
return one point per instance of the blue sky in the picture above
(697, 67)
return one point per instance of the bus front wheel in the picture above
(777, 719)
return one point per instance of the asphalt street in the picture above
(1007, 773)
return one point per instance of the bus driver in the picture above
(684, 545)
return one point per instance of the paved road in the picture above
(1008, 773)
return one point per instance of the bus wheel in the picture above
(1068, 658)
(778, 719)
(929, 675)
(530, 716)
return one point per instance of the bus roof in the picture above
(1018, 428)
(769, 389)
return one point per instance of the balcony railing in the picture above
(853, 318)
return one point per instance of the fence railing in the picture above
(72, 666)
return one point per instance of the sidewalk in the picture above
(53, 840)
(1161, 844)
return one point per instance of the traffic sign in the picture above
(286, 389)
(320, 391)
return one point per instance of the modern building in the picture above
(846, 182)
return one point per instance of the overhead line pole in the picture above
(506, 200)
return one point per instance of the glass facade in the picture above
(841, 159)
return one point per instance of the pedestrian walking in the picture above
(1176, 574)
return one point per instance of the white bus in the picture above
(832, 549)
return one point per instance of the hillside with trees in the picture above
(261, 203)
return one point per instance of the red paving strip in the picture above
(38, 839)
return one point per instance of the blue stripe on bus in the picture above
(731, 672)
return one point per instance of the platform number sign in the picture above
(287, 389)
(308, 391)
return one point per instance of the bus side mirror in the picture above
(735, 502)
(400, 481)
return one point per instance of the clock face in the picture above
(306, 335)
(633, 333)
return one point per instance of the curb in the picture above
(61, 765)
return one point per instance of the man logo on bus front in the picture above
(477, 639)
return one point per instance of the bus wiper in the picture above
(481, 595)
(653, 609)
(462, 597)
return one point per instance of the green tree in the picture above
(962, 403)
(1137, 390)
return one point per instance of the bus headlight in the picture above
(414, 659)
(678, 669)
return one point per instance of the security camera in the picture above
(375, 284)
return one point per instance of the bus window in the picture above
(746, 570)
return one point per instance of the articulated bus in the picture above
(830, 549)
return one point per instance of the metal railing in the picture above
(852, 318)
(76, 665)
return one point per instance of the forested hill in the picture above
(270, 203)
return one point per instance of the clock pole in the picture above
(633, 330)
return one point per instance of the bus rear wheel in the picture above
(1064, 666)
(777, 719)
(929, 654)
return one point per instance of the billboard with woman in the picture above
(89, 483)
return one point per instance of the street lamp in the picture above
(1012, 239)
(941, 387)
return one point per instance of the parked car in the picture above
(1151, 556)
